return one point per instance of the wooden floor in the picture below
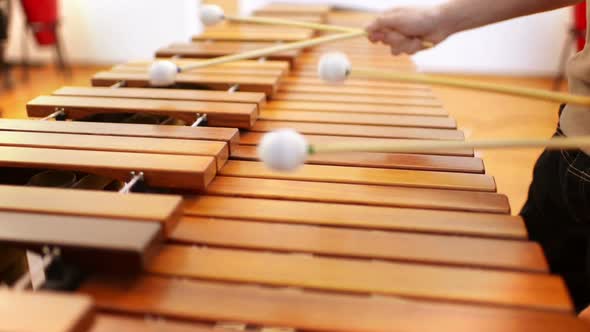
(480, 115)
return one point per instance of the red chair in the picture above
(42, 19)
(576, 35)
(579, 28)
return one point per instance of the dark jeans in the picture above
(557, 215)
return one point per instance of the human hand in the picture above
(406, 29)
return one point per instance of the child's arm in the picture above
(403, 28)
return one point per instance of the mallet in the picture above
(286, 150)
(163, 72)
(336, 67)
(212, 14)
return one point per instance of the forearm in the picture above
(468, 14)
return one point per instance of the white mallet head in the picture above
(211, 15)
(163, 73)
(334, 67)
(283, 150)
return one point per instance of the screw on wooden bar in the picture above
(278, 329)
(119, 84)
(136, 177)
(49, 255)
(58, 114)
(232, 326)
(234, 88)
(200, 120)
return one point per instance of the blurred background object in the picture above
(42, 20)
(577, 37)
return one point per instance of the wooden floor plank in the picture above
(437, 283)
(376, 101)
(356, 216)
(363, 131)
(45, 312)
(217, 150)
(360, 175)
(344, 108)
(452, 200)
(172, 94)
(253, 138)
(196, 300)
(338, 242)
(381, 160)
(164, 209)
(120, 245)
(250, 83)
(359, 119)
(230, 135)
(167, 171)
(218, 114)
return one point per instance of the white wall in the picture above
(524, 46)
(111, 31)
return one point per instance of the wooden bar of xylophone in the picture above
(408, 242)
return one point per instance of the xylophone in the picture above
(169, 222)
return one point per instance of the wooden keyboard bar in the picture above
(359, 131)
(217, 150)
(45, 312)
(206, 301)
(230, 135)
(309, 68)
(356, 91)
(173, 94)
(358, 216)
(297, 17)
(252, 64)
(254, 34)
(218, 114)
(251, 83)
(338, 242)
(90, 243)
(253, 138)
(381, 160)
(437, 283)
(292, 9)
(309, 63)
(341, 108)
(210, 51)
(453, 200)
(167, 171)
(437, 122)
(125, 323)
(220, 47)
(269, 72)
(163, 209)
(359, 175)
(376, 101)
(395, 88)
